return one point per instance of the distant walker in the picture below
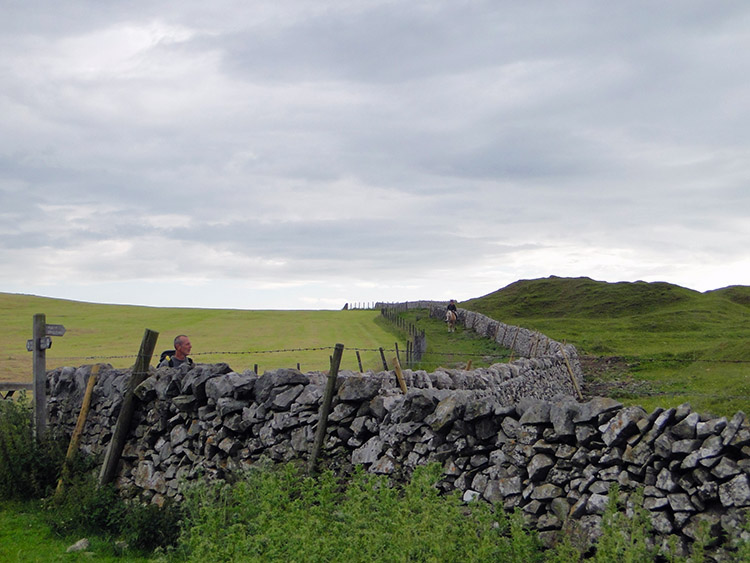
(451, 315)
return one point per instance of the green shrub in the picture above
(88, 509)
(279, 514)
(625, 531)
(742, 539)
(85, 508)
(148, 526)
(29, 469)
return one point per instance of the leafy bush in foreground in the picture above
(279, 514)
(88, 509)
(625, 532)
(28, 468)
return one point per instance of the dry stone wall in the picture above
(522, 341)
(510, 434)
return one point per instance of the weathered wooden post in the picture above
(122, 426)
(399, 376)
(80, 423)
(359, 361)
(570, 372)
(38, 344)
(40, 375)
(325, 408)
(382, 357)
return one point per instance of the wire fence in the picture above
(624, 358)
(450, 355)
(286, 351)
(376, 359)
(212, 353)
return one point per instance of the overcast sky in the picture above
(304, 154)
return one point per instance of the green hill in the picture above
(739, 294)
(581, 297)
(646, 343)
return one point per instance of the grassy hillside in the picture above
(113, 333)
(671, 344)
(653, 344)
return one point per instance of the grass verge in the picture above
(448, 349)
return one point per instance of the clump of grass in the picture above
(275, 515)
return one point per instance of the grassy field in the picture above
(113, 333)
(652, 344)
(26, 536)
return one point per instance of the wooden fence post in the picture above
(122, 426)
(399, 376)
(570, 372)
(80, 423)
(382, 357)
(325, 408)
(359, 361)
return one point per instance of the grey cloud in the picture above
(308, 141)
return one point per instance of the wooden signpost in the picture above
(39, 344)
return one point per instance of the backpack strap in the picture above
(168, 355)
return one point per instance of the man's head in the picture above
(182, 347)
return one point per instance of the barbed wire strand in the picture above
(628, 359)
(455, 354)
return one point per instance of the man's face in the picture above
(184, 347)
